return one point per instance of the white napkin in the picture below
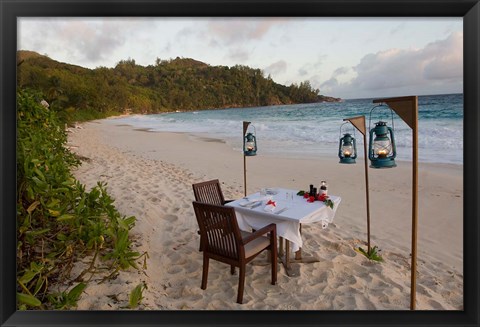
(250, 204)
(271, 206)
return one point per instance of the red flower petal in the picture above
(272, 203)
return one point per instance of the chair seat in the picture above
(255, 246)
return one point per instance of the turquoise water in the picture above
(310, 130)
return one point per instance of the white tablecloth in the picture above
(299, 211)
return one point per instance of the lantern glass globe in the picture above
(347, 150)
(382, 148)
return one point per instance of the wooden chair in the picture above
(209, 192)
(223, 241)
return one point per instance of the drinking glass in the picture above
(289, 199)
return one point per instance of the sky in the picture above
(348, 58)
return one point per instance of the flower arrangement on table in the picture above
(318, 197)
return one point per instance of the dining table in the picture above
(288, 211)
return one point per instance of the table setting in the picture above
(288, 209)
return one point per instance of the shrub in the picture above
(58, 221)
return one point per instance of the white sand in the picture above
(150, 176)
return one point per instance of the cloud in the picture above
(447, 58)
(276, 68)
(329, 84)
(86, 41)
(312, 67)
(93, 42)
(341, 71)
(238, 55)
(435, 68)
(302, 71)
(233, 31)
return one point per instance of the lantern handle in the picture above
(383, 104)
(347, 122)
(254, 130)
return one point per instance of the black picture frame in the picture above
(10, 10)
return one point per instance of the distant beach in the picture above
(150, 176)
(313, 130)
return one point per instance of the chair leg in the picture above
(232, 269)
(274, 268)
(201, 244)
(241, 284)
(205, 271)
(273, 258)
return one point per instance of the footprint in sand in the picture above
(174, 256)
(166, 206)
(174, 269)
(435, 305)
(171, 218)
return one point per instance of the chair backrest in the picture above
(209, 192)
(219, 230)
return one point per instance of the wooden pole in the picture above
(414, 203)
(245, 174)
(366, 191)
(407, 109)
(360, 125)
(245, 127)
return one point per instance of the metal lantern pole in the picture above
(245, 127)
(359, 123)
(407, 109)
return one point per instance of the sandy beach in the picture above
(150, 176)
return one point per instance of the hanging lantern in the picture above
(382, 149)
(347, 148)
(250, 144)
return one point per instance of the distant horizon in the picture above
(419, 95)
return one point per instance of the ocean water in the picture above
(314, 130)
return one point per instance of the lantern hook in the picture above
(383, 104)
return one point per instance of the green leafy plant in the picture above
(372, 254)
(67, 300)
(25, 300)
(58, 221)
(136, 296)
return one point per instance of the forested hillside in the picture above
(175, 84)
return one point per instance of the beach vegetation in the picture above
(59, 223)
(79, 94)
(372, 254)
(136, 296)
(66, 300)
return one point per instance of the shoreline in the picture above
(150, 176)
(319, 153)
